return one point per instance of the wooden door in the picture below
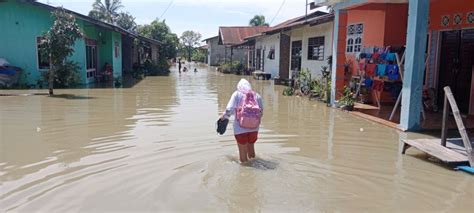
(284, 56)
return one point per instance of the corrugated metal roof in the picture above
(236, 35)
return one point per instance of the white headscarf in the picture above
(243, 86)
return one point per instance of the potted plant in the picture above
(347, 101)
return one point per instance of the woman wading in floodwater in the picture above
(247, 106)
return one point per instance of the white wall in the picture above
(306, 32)
(266, 43)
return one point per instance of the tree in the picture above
(106, 11)
(58, 42)
(190, 40)
(258, 20)
(159, 31)
(126, 21)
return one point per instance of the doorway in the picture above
(456, 64)
(296, 50)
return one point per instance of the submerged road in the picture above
(153, 147)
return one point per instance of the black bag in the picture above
(222, 126)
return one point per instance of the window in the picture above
(271, 54)
(316, 48)
(117, 49)
(43, 61)
(354, 38)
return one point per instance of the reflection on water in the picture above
(153, 147)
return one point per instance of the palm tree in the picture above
(106, 11)
(258, 20)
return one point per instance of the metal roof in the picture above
(236, 34)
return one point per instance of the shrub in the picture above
(347, 101)
(234, 67)
(161, 68)
(65, 75)
(289, 91)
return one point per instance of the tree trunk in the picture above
(51, 77)
(189, 54)
(51, 81)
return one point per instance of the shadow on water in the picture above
(72, 97)
(261, 164)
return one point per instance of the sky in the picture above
(203, 16)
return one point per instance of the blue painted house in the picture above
(22, 24)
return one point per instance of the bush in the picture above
(65, 75)
(289, 91)
(161, 68)
(347, 101)
(234, 67)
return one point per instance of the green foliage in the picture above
(190, 40)
(152, 69)
(106, 11)
(258, 20)
(289, 91)
(126, 21)
(234, 67)
(58, 44)
(158, 30)
(347, 99)
(65, 75)
(199, 55)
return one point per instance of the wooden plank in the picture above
(460, 124)
(444, 128)
(435, 149)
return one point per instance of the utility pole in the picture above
(306, 12)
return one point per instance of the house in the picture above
(436, 37)
(216, 52)
(23, 23)
(232, 39)
(303, 42)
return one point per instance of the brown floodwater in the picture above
(153, 147)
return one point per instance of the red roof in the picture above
(236, 35)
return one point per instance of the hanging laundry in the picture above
(362, 66)
(391, 57)
(393, 72)
(368, 82)
(368, 56)
(381, 70)
(383, 56)
(362, 55)
(376, 56)
(370, 70)
(377, 85)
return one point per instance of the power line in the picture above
(278, 11)
(169, 5)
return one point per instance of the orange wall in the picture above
(441, 8)
(396, 22)
(374, 23)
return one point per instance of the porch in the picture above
(438, 53)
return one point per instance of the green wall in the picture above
(21, 23)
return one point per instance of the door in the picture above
(91, 58)
(296, 50)
(258, 58)
(284, 56)
(457, 52)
